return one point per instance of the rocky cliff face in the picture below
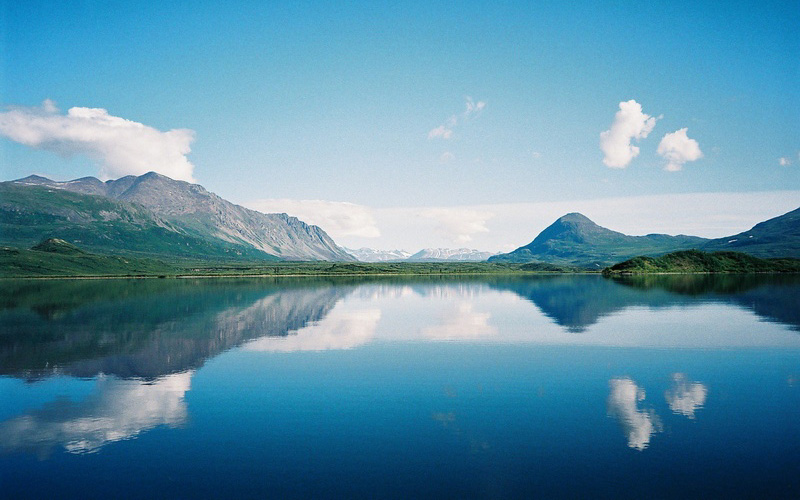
(200, 213)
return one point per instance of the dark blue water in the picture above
(489, 388)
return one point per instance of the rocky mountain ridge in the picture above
(193, 212)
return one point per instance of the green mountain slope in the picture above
(776, 237)
(55, 257)
(157, 215)
(30, 213)
(575, 240)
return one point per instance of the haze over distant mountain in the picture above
(449, 254)
(365, 254)
(575, 240)
(776, 237)
(156, 215)
(424, 255)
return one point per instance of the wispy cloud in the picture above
(629, 123)
(473, 107)
(337, 218)
(118, 146)
(441, 131)
(784, 161)
(446, 157)
(677, 148)
(445, 130)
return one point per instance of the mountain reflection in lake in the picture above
(491, 386)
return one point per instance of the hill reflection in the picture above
(576, 303)
(147, 329)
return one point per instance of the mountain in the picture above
(575, 240)
(365, 254)
(424, 255)
(773, 238)
(156, 215)
(448, 254)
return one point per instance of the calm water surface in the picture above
(565, 386)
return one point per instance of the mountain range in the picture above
(425, 255)
(575, 240)
(153, 215)
(365, 254)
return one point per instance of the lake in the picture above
(484, 387)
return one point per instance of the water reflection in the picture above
(460, 321)
(576, 303)
(623, 404)
(483, 380)
(147, 328)
(685, 397)
(115, 410)
(151, 328)
(341, 329)
(774, 298)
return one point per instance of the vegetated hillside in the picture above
(192, 211)
(695, 261)
(575, 240)
(30, 213)
(776, 237)
(55, 257)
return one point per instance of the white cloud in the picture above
(337, 218)
(677, 148)
(684, 398)
(458, 225)
(120, 147)
(445, 131)
(784, 161)
(639, 425)
(629, 123)
(446, 157)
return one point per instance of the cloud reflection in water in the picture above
(116, 410)
(685, 397)
(461, 322)
(341, 329)
(639, 425)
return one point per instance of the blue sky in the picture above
(326, 110)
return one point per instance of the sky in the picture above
(409, 125)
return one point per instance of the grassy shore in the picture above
(59, 259)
